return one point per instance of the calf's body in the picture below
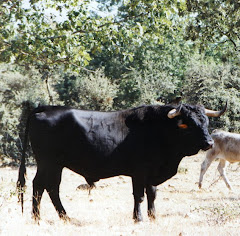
(227, 149)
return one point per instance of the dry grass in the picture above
(182, 209)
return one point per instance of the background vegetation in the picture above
(110, 55)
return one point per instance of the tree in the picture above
(84, 90)
(18, 95)
(212, 84)
(29, 37)
(215, 24)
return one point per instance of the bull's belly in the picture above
(93, 173)
(99, 167)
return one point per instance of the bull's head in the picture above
(193, 125)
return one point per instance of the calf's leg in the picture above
(210, 156)
(222, 170)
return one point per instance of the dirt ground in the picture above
(182, 209)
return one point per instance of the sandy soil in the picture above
(182, 209)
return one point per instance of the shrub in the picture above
(87, 90)
(212, 84)
(16, 91)
(145, 86)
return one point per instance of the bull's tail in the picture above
(22, 169)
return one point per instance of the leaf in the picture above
(140, 28)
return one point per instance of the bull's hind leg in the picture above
(38, 188)
(52, 187)
(48, 177)
(151, 192)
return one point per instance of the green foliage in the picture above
(87, 90)
(156, 70)
(15, 91)
(215, 22)
(30, 37)
(145, 86)
(212, 84)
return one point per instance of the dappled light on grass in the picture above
(181, 208)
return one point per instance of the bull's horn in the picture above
(212, 113)
(174, 112)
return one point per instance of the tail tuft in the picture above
(21, 183)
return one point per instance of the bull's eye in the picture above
(182, 126)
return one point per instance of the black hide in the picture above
(143, 143)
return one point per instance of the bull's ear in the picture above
(175, 112)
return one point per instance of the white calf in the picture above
(227, 148)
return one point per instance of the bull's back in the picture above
(75, 135)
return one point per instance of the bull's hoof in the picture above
(199, 185)
(36, 218)
(36, 214)
(64, 217)
(152, 214)
(137, 218)
(229, 187)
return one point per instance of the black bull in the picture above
(146, 143)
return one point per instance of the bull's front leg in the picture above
(151, 192)
(138, 193)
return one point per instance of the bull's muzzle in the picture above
(207, 145)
